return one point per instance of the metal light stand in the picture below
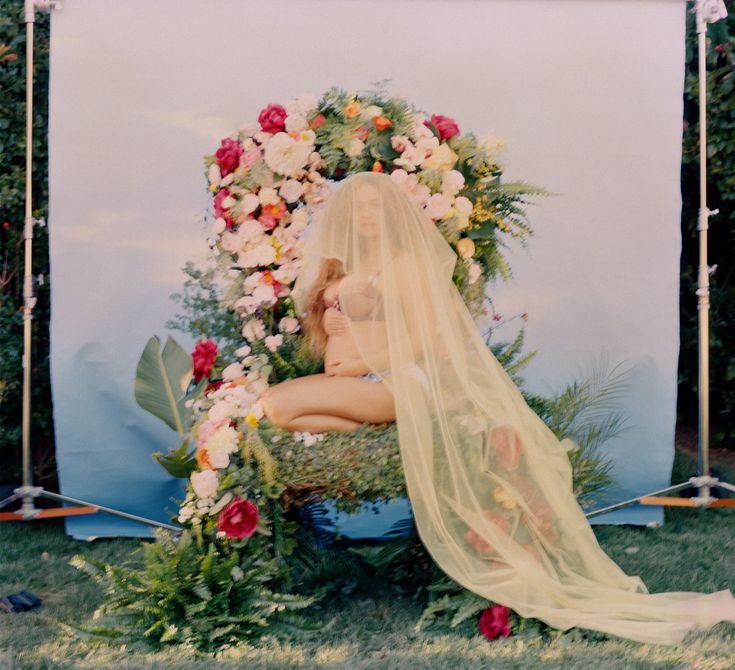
(708, 11)
(28, 492)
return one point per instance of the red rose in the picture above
(204, 356)
(507, 445)
(228, 155)
(494, 622)
(445, 126)
(239, 518)
(272, 119)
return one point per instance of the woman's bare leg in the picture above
(326, 403)
(316, 423)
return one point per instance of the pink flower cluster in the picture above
(495, 622)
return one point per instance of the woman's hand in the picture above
(334, 321)
(345, 367)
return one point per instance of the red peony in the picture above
(272, 119)
(228, 155)
(494, 622)
(219, 210)
(204, 356)
(445, 126)
(239, 518)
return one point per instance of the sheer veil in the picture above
(489, 483)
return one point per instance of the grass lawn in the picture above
(693, 551)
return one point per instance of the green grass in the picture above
(693, 551)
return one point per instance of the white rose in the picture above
(205, 483)
(243, 351)
(355, 148)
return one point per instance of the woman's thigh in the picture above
(349, 397)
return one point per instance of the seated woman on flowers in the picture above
(347, 394)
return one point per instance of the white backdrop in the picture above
(588, 95)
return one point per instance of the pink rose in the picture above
(445, 126)
(272, 119)
(228, 155)
(238, 519)
(203, 357)
(219, 210)
(494, 622)
(507, 445)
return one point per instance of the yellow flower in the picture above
(352, 110)
(251, 420)
(213, 187)
(501, 495)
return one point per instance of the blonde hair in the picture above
(330, 270)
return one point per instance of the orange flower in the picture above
(377, 166)
(352, 110)
(381, 122)
(317, 121)
(202, 458)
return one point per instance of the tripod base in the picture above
(703, 485)
(29, 513)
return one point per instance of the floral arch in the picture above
(244, 475)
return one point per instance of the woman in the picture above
(347, 394)
(490, 485)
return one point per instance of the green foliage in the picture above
(193, 591)
(720, 54)
(162, 378)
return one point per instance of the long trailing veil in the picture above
(489, 483)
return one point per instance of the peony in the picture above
(272, 119)
(494, 622)
(228, 155)
(205, 483)
(222, 409)
(204, 357)
(285, 155)
(445, 126)
(239, 519)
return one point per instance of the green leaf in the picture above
(161, 381)
(178, 462)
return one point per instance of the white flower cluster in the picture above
(308, 439)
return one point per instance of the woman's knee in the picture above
(274, 408)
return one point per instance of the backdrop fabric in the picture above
(587, 95)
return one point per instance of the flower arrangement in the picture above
(266, 180)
